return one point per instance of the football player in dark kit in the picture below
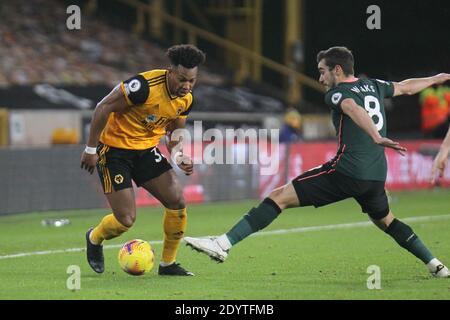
(358, 170)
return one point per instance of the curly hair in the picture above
(187, 55)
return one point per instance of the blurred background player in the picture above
(358, 170)
(126, 128)
(290, 130)
(441, 160)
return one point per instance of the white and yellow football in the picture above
(136, 257)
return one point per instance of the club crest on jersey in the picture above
(118, 179)
(335, 98)
(179, 110)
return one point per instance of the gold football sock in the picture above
(108, 228)
(175, 222)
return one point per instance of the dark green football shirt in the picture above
(358, 156)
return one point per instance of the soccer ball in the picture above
(136, 257)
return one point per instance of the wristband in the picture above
(90, 150)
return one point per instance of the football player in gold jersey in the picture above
(126, 128)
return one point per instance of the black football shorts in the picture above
(324, 185)
(118, 167)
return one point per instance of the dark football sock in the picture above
(406, 238)
(255, 220)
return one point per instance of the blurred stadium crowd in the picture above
(36, 47)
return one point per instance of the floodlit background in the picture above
(260, 74)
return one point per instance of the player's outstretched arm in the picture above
(413, 86)
(114, 102)
(363, 120)
(441, 160)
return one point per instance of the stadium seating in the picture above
(36, 47)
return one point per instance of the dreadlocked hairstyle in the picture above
(187, 55)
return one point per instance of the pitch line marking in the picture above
(348, 225)
(261, 233)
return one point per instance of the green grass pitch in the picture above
(317, 263)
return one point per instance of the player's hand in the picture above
(442, 77)
(388, 143)
(185, 163)
(439, 165)
(88, 161)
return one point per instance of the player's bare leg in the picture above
(406, 238)
(123, 206)
(285, 197)
(256, 219)
(124, 214)
(167, 189)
